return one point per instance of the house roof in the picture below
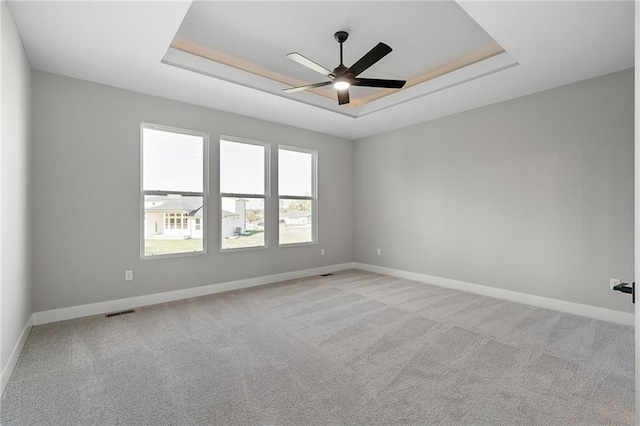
(227, 213)
(192, 206)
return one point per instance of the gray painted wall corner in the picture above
(15, 194)
(533, 195)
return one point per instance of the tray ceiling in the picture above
(230, 55)
(430, 39)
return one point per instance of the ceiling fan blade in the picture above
(307, 87)
(343, 96)
(377, 82)
(302, 60)
(374, 55)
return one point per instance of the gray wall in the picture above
(533, 195)
(15, 211)
(86, 167)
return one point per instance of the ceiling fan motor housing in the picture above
(341, 70)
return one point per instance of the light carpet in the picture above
(354, 348)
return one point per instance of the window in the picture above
(175, 220)
(174, 179)
(297, 195)
(243, 193)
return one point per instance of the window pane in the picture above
(172, 161)
(295, 173)
(242, 223)
(241, 168)
(167, 229)
(296, 219)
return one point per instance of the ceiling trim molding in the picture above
(212, 55)
(475, 57)
(194, 58)
(219, 71)
(474, 71)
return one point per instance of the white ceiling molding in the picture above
(195, 63)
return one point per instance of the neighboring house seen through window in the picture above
(297, 195)
(243, 193)
(173, 191)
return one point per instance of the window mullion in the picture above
(234, 195)
(295, 197)
(183, 193)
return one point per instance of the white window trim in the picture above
(314, 196)
(204, 194)
(266, 196)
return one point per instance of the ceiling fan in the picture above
(342, 77)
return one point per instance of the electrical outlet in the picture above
(379, 252)
(613, 282)
(321, 252)
(128, 275)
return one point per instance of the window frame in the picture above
(266, 196)
(204, 194)
(313, 198)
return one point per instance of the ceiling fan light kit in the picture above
(341, 84)
(342, 77)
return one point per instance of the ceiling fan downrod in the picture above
(341, 37)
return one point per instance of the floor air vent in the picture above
(115, 314)
(326, 275)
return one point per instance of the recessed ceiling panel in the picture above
(247, 43)
(125, 43)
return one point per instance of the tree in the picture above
(298, 205)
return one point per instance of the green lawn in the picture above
(288, 234)
(158, 247)
(291, 234)
(251, 239)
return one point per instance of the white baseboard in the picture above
(62, 314)
(15, 354)
(71, 312)
(513, 296)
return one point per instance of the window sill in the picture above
(173, 255)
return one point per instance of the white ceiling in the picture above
(123, 44)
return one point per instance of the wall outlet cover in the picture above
(613, 282)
